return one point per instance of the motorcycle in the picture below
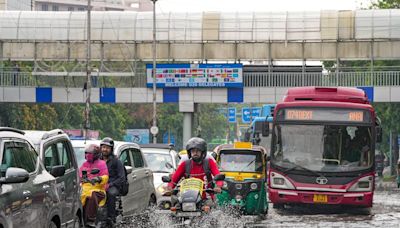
(187, 200)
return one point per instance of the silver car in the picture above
(162, 160)
(141, 189)
(28, 193)
(55, 149)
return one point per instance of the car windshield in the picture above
(80, 155)
(325, 148)
(240, 161)
(157, 162)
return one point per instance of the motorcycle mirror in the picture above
(219, 177)
(94, 171)
(166, 179)
(210, 191)
(169, 166)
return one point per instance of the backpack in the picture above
(206, 168)
(125, 186)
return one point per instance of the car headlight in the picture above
(188, 207)
(363, 184)
(225, 186)
(279, 181)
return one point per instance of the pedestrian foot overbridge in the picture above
(54, 45)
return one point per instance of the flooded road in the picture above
(385, 213)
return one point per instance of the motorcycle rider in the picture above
(197, 151)
(116, 177)
(94, 185)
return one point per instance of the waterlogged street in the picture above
(385, 213)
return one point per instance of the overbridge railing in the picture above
(124, 79)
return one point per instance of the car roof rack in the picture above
(52, 133)
(12, 129)
(157, 145)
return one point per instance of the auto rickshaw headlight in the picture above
(225, 185)
(253, 186)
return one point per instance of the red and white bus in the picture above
(323, 148)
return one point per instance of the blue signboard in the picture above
(168, 138)
(247, 112)
(140, 136)
(196, 75)
(232, 115)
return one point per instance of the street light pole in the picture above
(154, 129)
(88, 73)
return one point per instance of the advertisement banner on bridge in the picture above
(196, 75)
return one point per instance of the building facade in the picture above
(16, 4)
(99, 5)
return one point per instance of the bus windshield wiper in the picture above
(301, 167)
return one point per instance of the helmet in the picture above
(93, 149)
(196, 143)
(108, 142)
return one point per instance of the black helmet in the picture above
(196, 143)
(108, 142)
(93, 149)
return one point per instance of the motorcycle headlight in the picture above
(253, 186)
(188, 207)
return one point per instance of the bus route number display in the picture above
(324, 115)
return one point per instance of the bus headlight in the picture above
(363, 184)
(253, 186)
(225, 185)
(279, 181)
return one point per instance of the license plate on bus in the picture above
(320, 198)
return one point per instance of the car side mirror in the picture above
(95, 171)
(57, 171)
(15, 175)
(378, 134)
(128, 169)
(166, 179)
(219, 177)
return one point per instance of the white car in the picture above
(141, 189)
(162, 160)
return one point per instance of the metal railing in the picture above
(124, 80)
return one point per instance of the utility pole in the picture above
(88, 73)
(154, 128)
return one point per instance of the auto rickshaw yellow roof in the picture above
(239, 147)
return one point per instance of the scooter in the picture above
(187, 202)
(101, 214)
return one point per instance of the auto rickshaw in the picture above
(244, 166)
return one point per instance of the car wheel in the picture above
(77, 222)
(152, 201)
(52, 224)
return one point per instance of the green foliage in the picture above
(385, 4)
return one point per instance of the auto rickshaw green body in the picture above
(244, 190)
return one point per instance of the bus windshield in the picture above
(322, 148)
(240, 161)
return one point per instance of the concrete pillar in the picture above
(187, 127)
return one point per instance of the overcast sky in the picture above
(258, 5)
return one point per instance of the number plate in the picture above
(320, 198)
(188, 214)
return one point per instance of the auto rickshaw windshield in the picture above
(240, 161)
